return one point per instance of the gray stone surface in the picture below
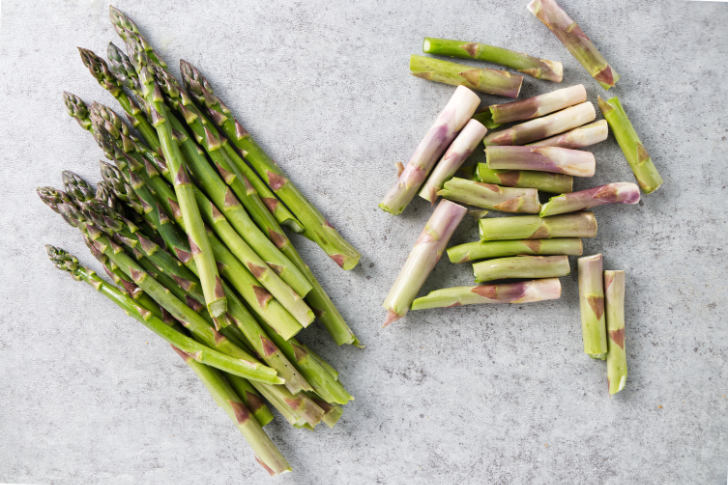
(471, 395)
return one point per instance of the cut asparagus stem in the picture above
(224, 395)
(591, 303)
(422, 258)
(614, 311)
(473, 251)
(614, 193)
(490, 196)
(575, 40)
(581, 224)
(451, 119)
(547, 182)
(533, 66)
(536, 106)
(639, 160)
(522, 292)
(543, 127)
(567, 161)
(252, 399)
(581, 137)
(459, 150)
(521, 267)
(491, 81)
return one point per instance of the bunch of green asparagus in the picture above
(187, 224)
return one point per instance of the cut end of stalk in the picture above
(618, 386)
(598, 356)
(391, 318)
(426, 45)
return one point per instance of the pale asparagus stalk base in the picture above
(473, 251)
(491, 196)
(580, 224)
(614, 193)
(543, 104)
(521, 267)
(521, 292)
(567, 161)
(556, 183)
(591, 304)
(580, 137)
(543, 127)
(614, 311)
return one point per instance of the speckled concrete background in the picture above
(471, 395)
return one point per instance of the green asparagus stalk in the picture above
(252, 399)
(581, 224)
(473, 251)
(521, 292)
(537, 106)
(614, 193)
(543, 127)
(639, 160)
(490, 196)
(578, 163)
(422, 258)
(544, 181)
(591, 303)
(575, 40)
(580, 137)
(533, 66)
(614, 311)
(521, 267)
(491, 81)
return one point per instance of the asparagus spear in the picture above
(522, 292)
(472, 251)
(544, 181)
(536, 106)
(580, 224)
(639, 160)
(121, 66)
(491, 81)
(614, 193)
(460, 149)
(543, 127)
(451, 119)
(252, 399)
(614, 312)
(521, 267)
(591, 303)
(533, 66)
(575, 40)
(580, 137)
(490, 196)
(422, 258)
(578, 163)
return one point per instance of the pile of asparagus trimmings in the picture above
(187, 224)
(541, 153)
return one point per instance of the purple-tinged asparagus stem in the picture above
(578, 163)
(490, 81)
(422, 258)
(491, 196)
(543, 127)
(614, 193)
(591, 303)
(614, 311)
(540, 105)
(521, 267)
(580, 137)
(459, 150)
(522, 292)
(451, 119)
(575, 40)
(473, 251)
(546, 182)
(580, 224)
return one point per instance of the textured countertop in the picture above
(471, 395)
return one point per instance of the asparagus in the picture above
(533, 66)
(490, 196)
(544, 181)
(578, 163)
(639, 160)
(422, 258)
(614, 193)
(580, 137)
(614, 311)
(121, 66)
(252, 399)
(451, 119)
(521, 292)
(581, 224)
(490, 81)
(460, 149)
(591, 303)
(536, 106)
(575, 40)
(521, 267)
(543, 127)
(472, 251)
